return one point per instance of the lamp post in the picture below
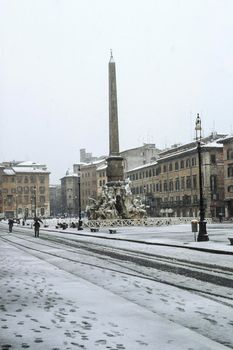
(79, 201)
(1, 204)
(16, 206)
(202, 234)
(35, 200)
(31, 206)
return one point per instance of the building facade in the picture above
(86, 157)
(90, 182)
(170, 186)
(55, 200)
(135, 157)
(228, 175)
(101, 173)
(70, 194)
(24, 190)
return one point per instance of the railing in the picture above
(139, 222)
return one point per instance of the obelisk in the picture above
(114, 161)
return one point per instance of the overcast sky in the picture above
(173, 59)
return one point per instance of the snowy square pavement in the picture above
(42, 307)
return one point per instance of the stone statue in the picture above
(116, 202)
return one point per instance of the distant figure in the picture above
(220, 217)
(37, 226)
(10, 223)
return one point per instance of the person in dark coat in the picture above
(37, 226)
(10, 223)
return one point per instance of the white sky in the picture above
(174, 59)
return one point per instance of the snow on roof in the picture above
(28, 169)
(72, 175)
(179, 152)
(143, 166)
(9, 172)
(144, 146)
(96, 162)
(213, 144)
(102, 167)
(30, 164)
(226, 139)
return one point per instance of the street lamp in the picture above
(202, 234)
(16, 206)
(79, 201)
(35, 200)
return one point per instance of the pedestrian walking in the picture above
(220, 217)
(10, 223)
(37, 226)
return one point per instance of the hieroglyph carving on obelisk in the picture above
(114, 161)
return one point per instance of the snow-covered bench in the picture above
(94, 230)
(112, 230)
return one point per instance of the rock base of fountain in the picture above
(116, 202)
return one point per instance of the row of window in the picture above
(23, 179)
(25, 189)
(183, 183)
(102, 182)
(180, 200)
(88, 183)
(26, 211)
(88, 174)
(102, 174)
(10, 200)
(188, 163)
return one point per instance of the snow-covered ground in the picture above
(43, 306)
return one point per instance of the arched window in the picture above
(230, 188)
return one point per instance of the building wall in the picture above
(170, 186)
(228, 176)
(24, 193)
(55, 200)
(88, 184)
(101, 174)
(138, 156)
(70, 195)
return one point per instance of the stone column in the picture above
(114, 161)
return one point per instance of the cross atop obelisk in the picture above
(113, 112)
(114, 161)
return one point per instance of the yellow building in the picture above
(228, 175)
(93, 177)
(24, 190)
(170, 186)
